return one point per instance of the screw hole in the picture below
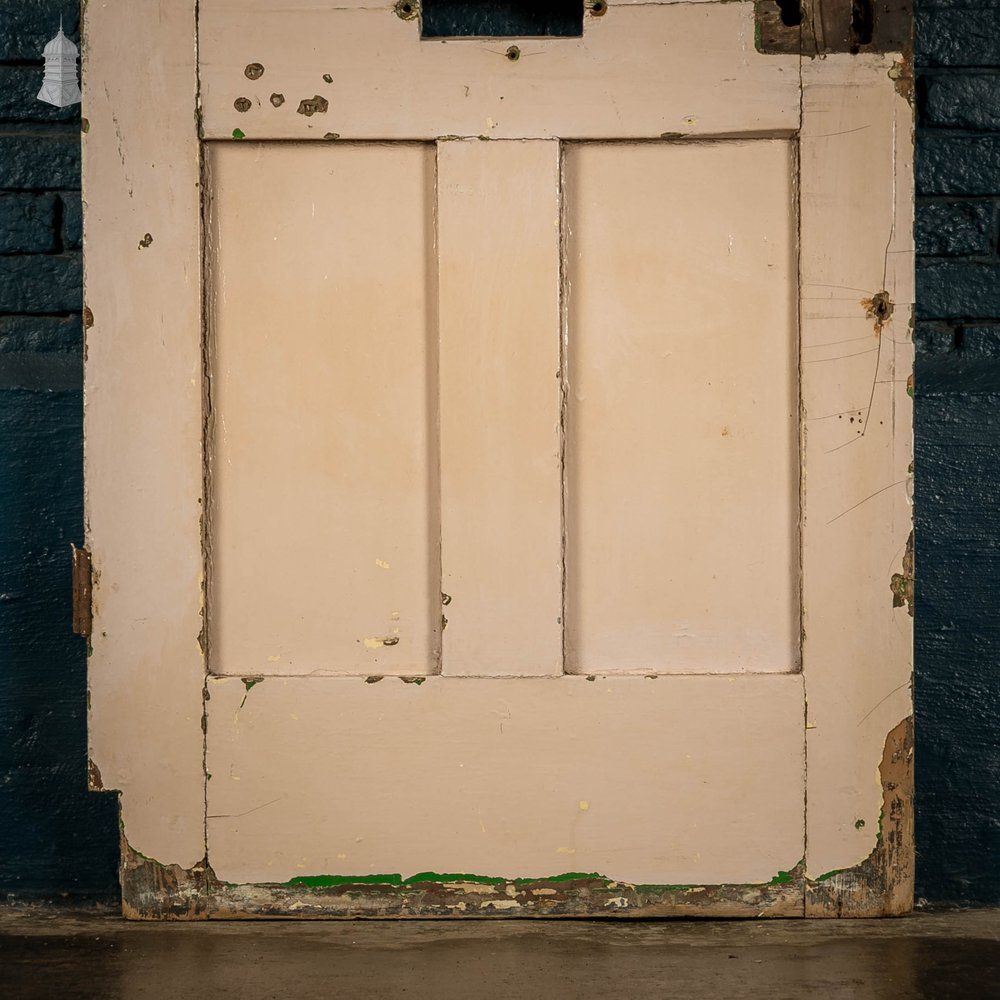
(407, 9)
(513, 53)
(791, 12)
(598, 7)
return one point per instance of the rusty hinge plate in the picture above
(82, 592)
(816, 27)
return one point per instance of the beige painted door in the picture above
(515, 468)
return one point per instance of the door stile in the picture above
(857, 293)
(143, 421)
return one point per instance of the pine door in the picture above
(497, 460)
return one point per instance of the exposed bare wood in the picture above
(83, 615)
(157, 892)
(882, 884)
(820, 27)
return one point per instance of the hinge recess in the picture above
(83, 615)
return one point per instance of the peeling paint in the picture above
(901, 73)
(95, 783)
(152, 890)
(879, 308)
(902, 584)
(310, 106)
(882, 885)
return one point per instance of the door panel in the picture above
(672, 780)
(500, 412)
(323, 512)
(682, 423)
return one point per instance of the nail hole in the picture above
(309, 106)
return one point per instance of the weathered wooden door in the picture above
(497, 456)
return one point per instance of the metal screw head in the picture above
(241, 104)
(254, 71)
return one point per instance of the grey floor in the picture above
(63, 955)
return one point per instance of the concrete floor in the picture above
(64, 955)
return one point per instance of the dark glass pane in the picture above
(501, 18)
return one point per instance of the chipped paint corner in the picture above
(882, 884)
(902, 585)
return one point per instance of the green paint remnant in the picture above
(413, 680)
(238, 133)
(440, 878)
(565, 877)
(248, 683)
(326, 881)
(826, 875)
(782, 878)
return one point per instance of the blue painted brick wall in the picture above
(57, 840)
(957, 502)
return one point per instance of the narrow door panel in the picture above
(682, 416)
(501, 462)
